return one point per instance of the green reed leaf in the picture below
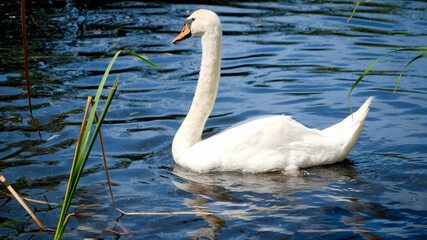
(142, 58)
(354, 10)
(370, 66)
(415, 58)
(84, 149)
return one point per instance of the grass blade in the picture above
(98, 126)
(84, 145)
(370, 66)
(62, 220)
(142, 58)
(415, 58)
(92, 112)
(79, 161)
(354, 10)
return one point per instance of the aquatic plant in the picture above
(398, 50)
(84, 145)
(354, 10)
(21, 201)
(401, 73)
(26, 67)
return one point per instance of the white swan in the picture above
(267, 143)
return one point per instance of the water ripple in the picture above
(294, 57)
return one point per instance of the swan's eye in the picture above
(189, 21)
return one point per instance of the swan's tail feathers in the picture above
(348, 131)
(361, 114)
(351, 126)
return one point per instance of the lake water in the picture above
(298, 58)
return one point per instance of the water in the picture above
(294, 57)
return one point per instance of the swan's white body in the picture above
(268, 143)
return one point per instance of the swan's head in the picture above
(198, 23)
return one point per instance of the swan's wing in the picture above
(274, 131)
(264, 144)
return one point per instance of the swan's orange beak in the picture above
(185, 33)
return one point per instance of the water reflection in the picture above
(251, 196)
(275, 183)
(297, 206)
(288, 57)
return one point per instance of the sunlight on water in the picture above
(293, 57)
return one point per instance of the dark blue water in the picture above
(298, 58)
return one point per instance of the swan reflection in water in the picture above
(246, 196)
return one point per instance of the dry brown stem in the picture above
(21, 201)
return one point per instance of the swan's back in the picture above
(275, 143)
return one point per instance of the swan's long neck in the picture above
(191, 129)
